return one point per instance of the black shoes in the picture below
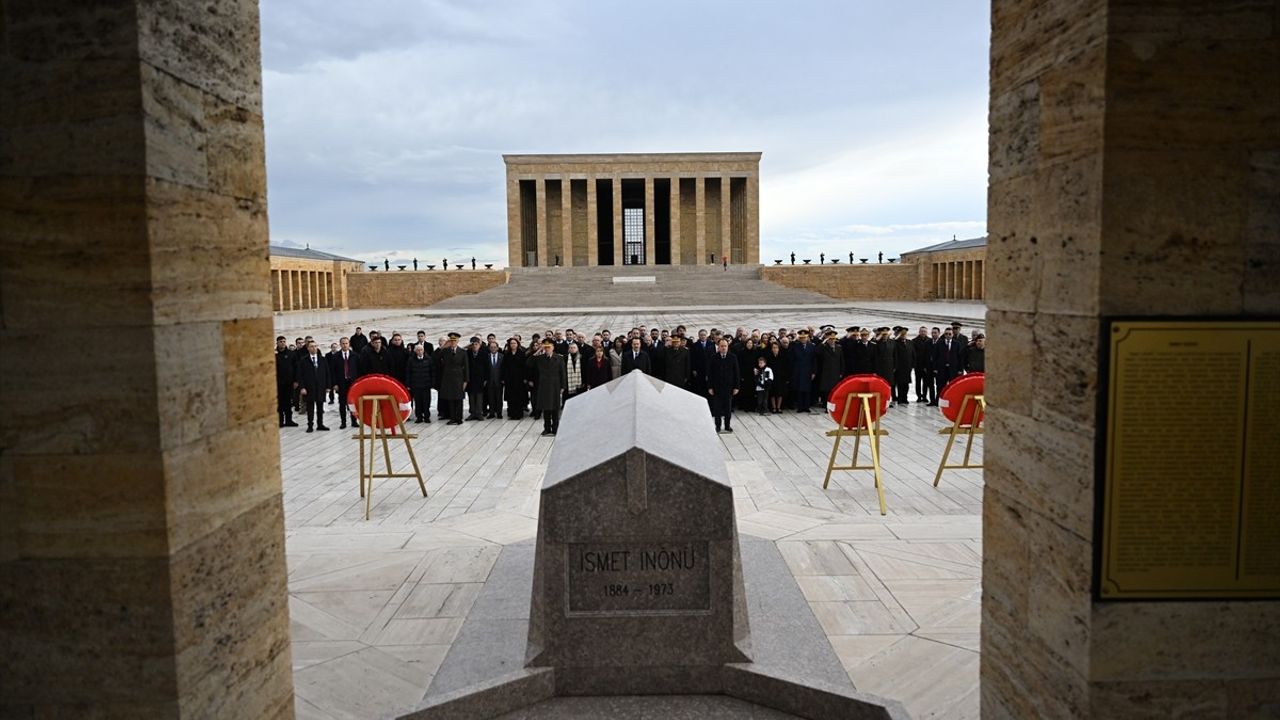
(322, 428)
(454, 422)
(309, 429)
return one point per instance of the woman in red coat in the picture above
(598, 370)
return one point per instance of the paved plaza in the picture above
(375, 604)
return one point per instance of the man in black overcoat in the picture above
(455, 372)
(493, 360)
(947, 361)
(723, 379)
(312, 377)
(419, 375)
(904, 361)
(885, 356)
(284, 383)
(358, 341)
(922, 349)
(830, 365)
(552, 378)
(478, 371)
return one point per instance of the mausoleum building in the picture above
(633, 209)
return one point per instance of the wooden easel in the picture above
(371, 407)
(958, 428)
(864, 402)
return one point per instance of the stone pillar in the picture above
(277, 291)
(650, 243)
(1134, 170)
(566, 220)
(540, 193)
(753, 219)
(700, 202)
(617, 220)
(726, 221)
(593, 220)
(142, 566)
(675, 220)
(515, 238)
(291, 284)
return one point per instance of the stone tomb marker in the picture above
(637, 584)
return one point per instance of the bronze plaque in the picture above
(1191, 467)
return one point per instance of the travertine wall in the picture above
(397, 289)
(887, 281)
(142, 569)
(1134, 169)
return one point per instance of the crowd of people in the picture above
(763, 372)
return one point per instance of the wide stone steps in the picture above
(672, 286)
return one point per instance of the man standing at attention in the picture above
(803, 369)
(343, 370)
(723, 377)
(552, 378)
(284, 383)
(313, 380)
(418, 376)
(636, 359)
(454, 374)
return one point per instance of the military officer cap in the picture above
(956, 324)
(549, 341)
(827, 327)
(830, 333)
(803, 333)
(454, 336)
(475, 338)
(898, 328)
(851, 329)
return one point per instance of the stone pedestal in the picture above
(637, 582)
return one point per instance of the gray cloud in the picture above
(386, 119)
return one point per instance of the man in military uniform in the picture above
(552, 378)
(904, 361)
(454, 374)
(677, 365)
(884, 355)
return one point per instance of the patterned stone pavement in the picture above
(375, 604)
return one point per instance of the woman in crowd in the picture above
(513, 380)
(778, 361)
(598, 369)
(615, 357)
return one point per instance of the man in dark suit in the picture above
(312, 377)
(344, 368)
(723, 378)
(454, 374)
(493, 381)
(553, 377)
(922, 348)
(284, 383)
(636, 359)
(947, 361)
(375, 358)
(699, 351)
(864, 354)
(804, 368)
(830, 364)
(477, 361)
(885, 356)
(904, 361)
(419, 375)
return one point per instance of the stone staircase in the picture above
(673, 286)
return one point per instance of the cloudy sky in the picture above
(386, 120)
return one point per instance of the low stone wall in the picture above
(397, 289)
(888, 281)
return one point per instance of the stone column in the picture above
(1134, 170)
(593, 220)
(292, 283)
(700, 202)
(650, 251)
(617, 220)
(142, 566)
(515, 237)
(566, 220)
(675, 220)
(540, 193)
(753, 219)
(277, 290)
(726, 219)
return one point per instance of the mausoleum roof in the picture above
(951, 245)
(308, 254)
